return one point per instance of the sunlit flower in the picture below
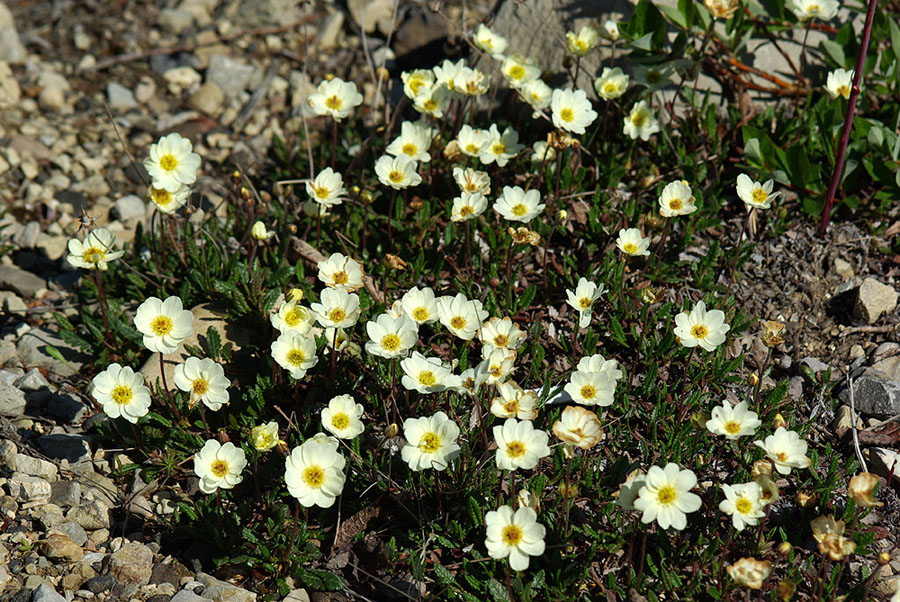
(500, 147)
(666, 496)
(335, 338)
(498, 364)
(121, 392)
(514, 534)
(471, 180)
(749, 572)
(583, 298)
(340, 271)
(172, 163)
(839, 83)
(327, 188)
(611, 28)
(571, 110)
(338, 308)
(430, 442)
(830, 535)
(541, 152)
(414, 141)
(583, 42)
(425, 374)
(598, 363)
(335, 98)
(591, 388)
(489, 41)
(292, 316)
(611, 84)
(470, 82)
(640, 122)
(417, 81)
(514, 402)
(97, 250)
(295, 352)
(391, 337)
(538, 94)
(631, 242)
(445, 73)
(743, 503)
(420, 305)
(578, 427)
(397, 172)
(468, 206)
(342, 417)
(433, 100)
(519, 70)
(472, 140)
(164, 324)
(205, 380)
(733, 422)
(461, 316)
(722, 9)
(520, 445)
(264, 436)
(168, 202)
(676, 199)
(260, 232)
(754, 194)
(499, 333)
(517, 205)
(862, 490)
(219, 466)
(314, 472)
(822, 9)
(469, 382)
(700, 327)
(786, 449)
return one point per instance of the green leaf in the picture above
(443, 575)
(498, 591)
(616, 330)
(474, 511)
(213, 342)
(55, 354)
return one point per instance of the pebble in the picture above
(32, 349)
(187, 595)
(232, 76)
(12, 400)
(11, 48)
(330, 30)
(45, 593)
(874, 299)
(35, 467)
(874, 395)
(73, 531)
(130, 207)
(180, 79)
(60, 547)
(843, 269)
(119, 97)
(132, 563)
(90, 514)
(10, 92)
(222, 591)
(208, 99)
(33, 380)
(19, 281)
(27, 488)
(175, 20)
(65, 493)
(54, 86)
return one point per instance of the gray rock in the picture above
(10, 93)
(45, 593)
(889, 366)
(73, 448)
(90, 514)
(222, 591)
(130, 207)
(5, 577)
(208, 99)
(132, 563)
(65, 493)
(175, 19)
(7, 351)
(12, 303)
(874, 299)
(874, 395)
(96, 486)
(12, 400)
(11, 48)
(35, 467)
(8, 451)
(187, 595)
(262, 13)
(843, 269)
(59, 546)
(66, 408)
(297, 595)
(233, 77)
(20, 282)
(32, 349)
(33, 380)
(884, 462)
(26, 488)
(48, 515)
(119, 97)
(367, 13)
(330, 30)
(27, 236)
(73, 531)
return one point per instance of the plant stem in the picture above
(509, 255)
(162, 374)
(101, 298)
(290, 549)
(737, 251)
(762, 370)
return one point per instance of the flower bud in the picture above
(806, 500)
(393, 262)
(883, 558)
(259, 231)
(295, 294)
(391, 431)
(784, 548)
(779, 422)
(527, 499)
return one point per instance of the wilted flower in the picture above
(579, 427)
(628, 491)
(839, 83)
(470, 82)
(95, 252)
(722, 9)
(862, 490)
(471, 181)
(264, 436)
(749, 572)
(517, 535)
(524, 236)
(771, 336)
(335, 98)
(393, 262)
(830, 535)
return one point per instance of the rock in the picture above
(54, 247)
(181, 78)
(26, 488)
(874, 299)
(297, 595)
(129, 208)
(889, 366)
(330, 30)
(45, 593)
(60, 547)
(48, 515)
(12, 400)
(73, 448)
(89, 515)
(163, 573)
(187, 595)
(20, 282)
(208, 99)
(175, 19)
(119, 97)
(53, 91)
(10, 92)
(132, 563)
(884, 462)
(367, 13)
(7, 351)
(856, 352)
(65, 493)
(35, 467)
(263, 13)
(11, 48)
(66, 408)
(232, 77)
(145, 89)
(843, 269)
(32, 349)
(73, 531)
(8, 451)
(842, 419)
(33, 380)
(874, 395)
(99, 584)
(5, 577)
(222, 591)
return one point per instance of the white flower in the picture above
(611, 84)
(327, 188)
(433, 100)
(470, 82)
(121, 392)
(264, 436)
(472, 141)
(583, 298)
(445, 73)
(582, 43)
(542, 152)
(578, 427)
(786, 449)
(219, 466)
(469, 382)
(597, 363)
(295, 352)
(631, 242)
(732, 422)
(519, 70)
(514, 402)
(335, 338)
(314, 472)
(391, 337)
(342, 417)
(335, 98)
(425, 374)
(205, 380)
(340, 271)
(164, 324)
(612, 29)
(499, 333)
(572, 110)
(172, 163)
(259, 231)
(754, 194)
(823, 9)
(839, 83)
(591, 388)
(95, 252)
(517, 205)
(430, 442)
(460, 316)
(538, 94)
(743, 503)
(420, 305)
(640, 122)
(338, 308)
(468, 206)
(676, 199)
(414, 141)
(700, 327)
(489, 41)
(666, 496)
(517, 535)
(169, 202)
(520, 445)
(292, 316)
(628, 491)
(471, 181)
(500, 147)
(397, 172)
(417, 81)
(498, 365)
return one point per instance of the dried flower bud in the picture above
(830, 535)
(883, 558)
(862, 490)
(784, 548)
(393, 262)
(761, 468)
(391, 431)
(568, 62)
(752, 379)
(779, 422)
(651, 296)
(570, 490)
(771, 335)
(750, 572)
(785, 589)
(568, 451)
(806, 500)
(722, 9)
(383, 74)
(366, 197)
(524, 236)
(451, 151)
(282, 446)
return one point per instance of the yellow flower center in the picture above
(337, 315)
(295, 357)
(844, 91)
(314, 476)
(420, 314)
(426, 377)
(334, 103)
(567, 114)
(639, 119)
(699, 331)
(666, 495)
(611, 88)
(471, 149)
(395, 176)
(429, 105)
(466, 210)
(500, 340)
(515, 449)
(161, 325)
(743, 505)
(341, 277)
(168, 162)
(516, 72)
(759, 196)
(498, 148)
(292, 318)
(200, 386)
(585, 302)
(732, 427)
(512, 407)
(322, 192)
(410, 149)
(781, 456)
(519, 210)
(630, 247)
(219, 468)
(415, 84)
(93, 255)
(458, 322)
(581, 45)
(512, 535)
(675, 204)
(122, 395)
(340, 421)
(588, 392)
(161, 197)
(430, 442)
(391, 342)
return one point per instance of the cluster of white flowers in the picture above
(172, 166)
